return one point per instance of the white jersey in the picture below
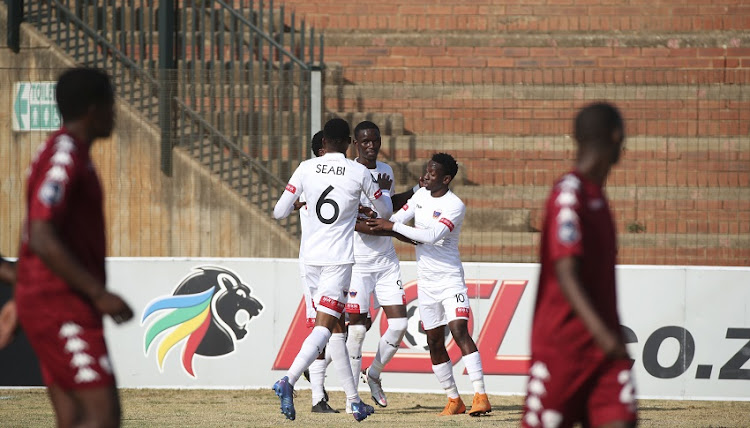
(437, 226)
(373, 253)
(332, 186)
(304, 216)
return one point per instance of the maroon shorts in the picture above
(72, 353)
(563, 391)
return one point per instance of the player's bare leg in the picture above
(443, 369)
(460, 330)
(387, 347)
(64, 406)
(100, 407)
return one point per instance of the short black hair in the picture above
(365, 125)
(317, 143)
(78, 89)
(336, 130)
(595, 124)
(450, 166)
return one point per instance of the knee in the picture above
(398, 325)
(357, 333)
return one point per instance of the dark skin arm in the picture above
(567, 270)
(45, 243)
(400, 199)
(7, 272)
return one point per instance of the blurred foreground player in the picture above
(580, 370)
(61, 290)
(8, 316)
(331, 185)
(443, 296)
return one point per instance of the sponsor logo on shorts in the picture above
(209, 310)
(80, 360)
(331, 304)
(462, 312)
(290, 188)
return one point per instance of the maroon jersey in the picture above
(577, 223)
(62, 188)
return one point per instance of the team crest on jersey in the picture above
(209, 312)
(436, 214)
(353, 293)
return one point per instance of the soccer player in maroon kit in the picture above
(61, 288)
(580, 370)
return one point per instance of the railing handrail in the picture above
(262, 34)
(228, 143)
(104, 42)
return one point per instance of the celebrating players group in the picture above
(350, 213)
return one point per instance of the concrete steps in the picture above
(501, 16)
(679, 249)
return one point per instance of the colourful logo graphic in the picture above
(209, 310)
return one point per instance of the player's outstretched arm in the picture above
(567, 270)
(45, 243)
(427, 236)
(362, 227)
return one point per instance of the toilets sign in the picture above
(34, 107)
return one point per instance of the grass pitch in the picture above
(260, 408)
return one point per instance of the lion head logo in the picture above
(209, 310)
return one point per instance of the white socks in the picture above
(388, 345)
(311, 348)
(444, 373)
(474, 368)
(318, 377)
(354, 345)
(337, 349)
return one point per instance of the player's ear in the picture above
(447, 179)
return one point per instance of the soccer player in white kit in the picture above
(332, 186)
(438, 215)
(376, 271)
(316, 373)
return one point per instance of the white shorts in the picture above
(308, 292)
(439, 306)
(385, 284)
(329, 286)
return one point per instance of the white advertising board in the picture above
(238, 323)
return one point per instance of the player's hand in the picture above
(421, 181)
(8, 323)
(384, 181)
(111, 304)
(614, 348)
(368, 212)
(298, 205)
(378, 224)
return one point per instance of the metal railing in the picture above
(238, 77)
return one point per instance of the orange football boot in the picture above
(480, 405)
(455, 406)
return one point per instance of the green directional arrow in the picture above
(21, 105)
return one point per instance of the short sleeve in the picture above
(56, 176)
(564, 233)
